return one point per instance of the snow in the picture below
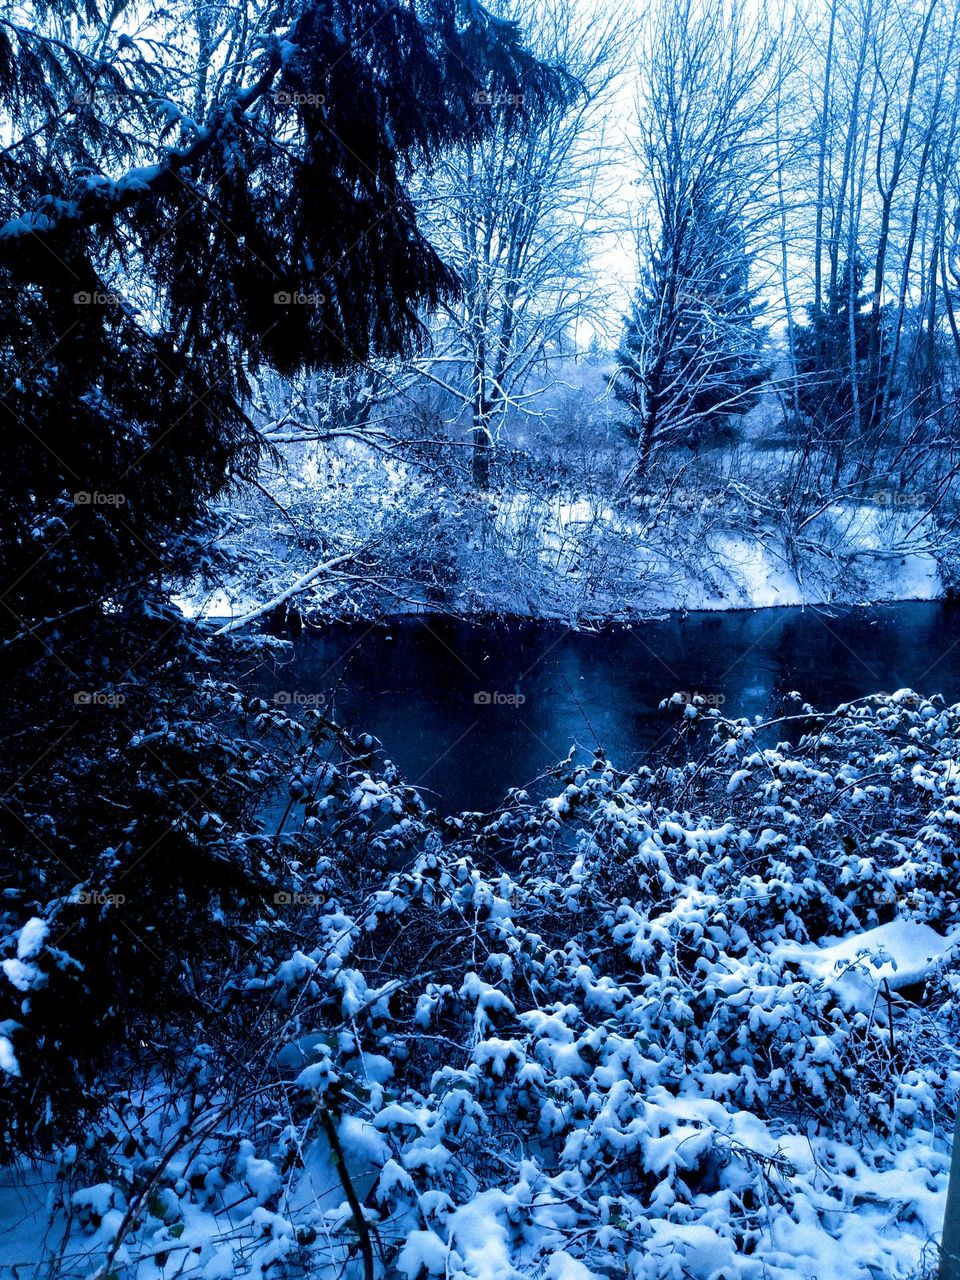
(137, 179)
(24, 1215)
(25, 977)
(480, 1236)
(226, 602)
(655, 1047)
(423, 1252)
(753, 574)
(8, 1059)
(576, 556)
(31, 938)
(98, 1199)
(564, 1267)
(740, 572)
(899, 954)
(705, 1254)
(259, 1175)
(221, 1266)
(363, 1146)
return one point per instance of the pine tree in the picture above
(151, 260)
(840, 363)
(690, 360)
(162, 235)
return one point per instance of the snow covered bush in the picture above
(694, 1021)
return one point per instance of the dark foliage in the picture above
(162, 231)
(690, 358)
(841, 365)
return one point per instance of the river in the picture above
(469, 710)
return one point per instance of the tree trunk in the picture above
(482, 444)
(821, 179)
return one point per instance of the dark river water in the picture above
(467, 711)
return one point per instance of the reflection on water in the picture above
(467, 711)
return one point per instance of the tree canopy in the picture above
(179, 204)
(185, 195)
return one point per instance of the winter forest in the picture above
(480, 617)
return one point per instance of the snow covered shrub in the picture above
(693, 1021)
(613, 1041)
(138, 870)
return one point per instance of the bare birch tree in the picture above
(708, 92)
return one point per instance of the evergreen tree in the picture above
(150, 259)
(841, 366)
(168, 222)
(690, 359)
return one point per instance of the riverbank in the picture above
(659, 1023)
(575, 561)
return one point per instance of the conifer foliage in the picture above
(690, 360)
(154, 247)
(186, 193)
(841, 364)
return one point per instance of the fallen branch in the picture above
(317, 572)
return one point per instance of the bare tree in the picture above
(517, 215)
(881, 81)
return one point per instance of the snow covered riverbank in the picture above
(575, 560)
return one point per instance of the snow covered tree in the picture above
(516, 212)
(841, 365)
(159, 247)
(188, 193)
(690, 361)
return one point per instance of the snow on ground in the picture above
(571, 557)
(845, 1214)
(898, 954)
(24, 1219)
(233, 600)
(854, 555)
(700, 1031)
(747, 575)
